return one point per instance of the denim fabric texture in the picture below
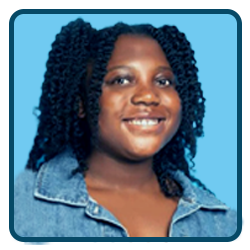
(54, 203)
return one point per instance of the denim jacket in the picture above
(54, 203)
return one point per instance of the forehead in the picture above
(134, 47)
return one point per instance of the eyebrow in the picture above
(165, 68)
(119, 67)
(128, 67)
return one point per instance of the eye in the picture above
(120, 81)
(163, 82)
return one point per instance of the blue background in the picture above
(214, 40)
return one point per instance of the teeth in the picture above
(144, 122)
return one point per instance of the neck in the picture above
(106, 172)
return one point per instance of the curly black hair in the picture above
(75, 71)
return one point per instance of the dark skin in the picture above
(140, 113)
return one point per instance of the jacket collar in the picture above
(195, 195)
(55, 183)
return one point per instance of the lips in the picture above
(146, 116)
(145, 122)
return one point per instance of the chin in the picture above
(142, 153)
(141, 148)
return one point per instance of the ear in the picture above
(81, 113)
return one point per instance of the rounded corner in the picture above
(235, 15)
(239, 233)
(230, 14)
(15, 235)
(15, 15)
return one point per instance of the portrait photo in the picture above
(125, 125)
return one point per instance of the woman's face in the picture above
(140, 108)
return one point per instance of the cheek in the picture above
(173, 104)
(177, 110)
(174, 109)
(111, 108)
(110, 98)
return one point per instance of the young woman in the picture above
(120, 109)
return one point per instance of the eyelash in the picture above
(129, 78)
(114, 81)
(170, 82)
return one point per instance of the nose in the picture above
(146, 96)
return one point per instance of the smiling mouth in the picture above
(144, 122)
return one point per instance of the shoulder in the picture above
(24, 184)
(32, 216)
(23, 199)
(40, 198)
(215, 218)
(218, 222)
(201, 214)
